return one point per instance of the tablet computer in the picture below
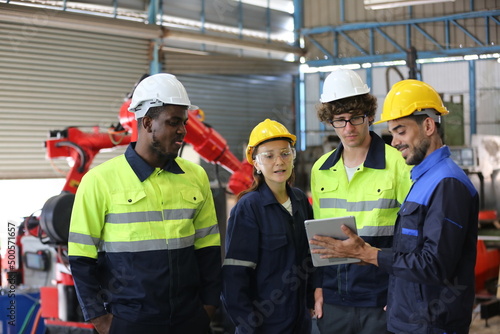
(329, 227)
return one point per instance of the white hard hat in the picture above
(342, 83)
(157, 90)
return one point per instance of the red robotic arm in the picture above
(82, 148)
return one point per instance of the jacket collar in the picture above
(142, 169)
(430, 161)
(268, 196)
(375, 158)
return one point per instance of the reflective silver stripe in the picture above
(234, 262)
(147, 245)
(172, 214)
(203, 232)
(181, 242)
(337, 203)
(83, 239)
(149, 216)
(376, 231)
(135, 246)
(134, 217)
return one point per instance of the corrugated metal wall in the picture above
(54, 75)
(52, 78)
(178, 63)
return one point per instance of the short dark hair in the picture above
(152, 113)
(419, 119)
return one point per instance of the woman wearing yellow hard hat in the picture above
(267, 266)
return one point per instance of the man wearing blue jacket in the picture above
(365, 178)
(431, 263)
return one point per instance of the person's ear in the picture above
(147, 123)
(429, 126)
(256, 165)
(370, 120)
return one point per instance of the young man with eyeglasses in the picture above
(365, 178)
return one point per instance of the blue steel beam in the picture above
(388, 38)
(324, 50)
(367, 25)
(467, 32)
(375, 29)
(353, 43)
(402, 56)
(154, 9)
(427, 36)
(472, 98)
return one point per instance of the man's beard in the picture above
(419, 152)
(160, 151)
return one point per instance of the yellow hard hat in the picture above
(410, 96)
(264, 131)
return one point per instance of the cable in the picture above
(112, 132)
(61, 259)
(28, 317)
(394, 68)
(37, 319)
(57, 169)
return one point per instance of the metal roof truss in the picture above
(440, 46)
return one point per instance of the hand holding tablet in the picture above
(330, 227)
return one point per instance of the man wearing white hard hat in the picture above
(144, 245)
(365, 178)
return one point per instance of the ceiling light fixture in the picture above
(385, 4)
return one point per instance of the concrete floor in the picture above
(478, 325)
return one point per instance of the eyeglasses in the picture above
(342, 123)
(270, 157)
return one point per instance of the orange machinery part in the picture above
(487, 260)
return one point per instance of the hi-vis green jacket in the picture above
(373, 196)
(144, 243)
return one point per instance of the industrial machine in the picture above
(481, 162)
(41, 241)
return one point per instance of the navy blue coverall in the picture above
(267, 266)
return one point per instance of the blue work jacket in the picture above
(267, 265)
(431, 263)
